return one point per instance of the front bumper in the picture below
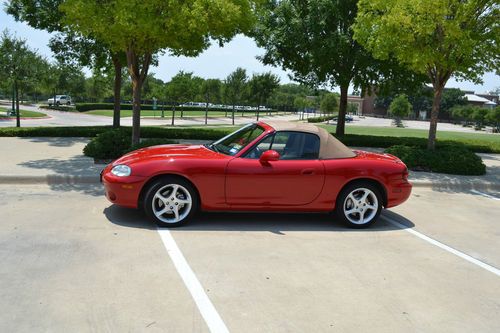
(122, 191)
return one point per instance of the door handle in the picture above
(308, 172)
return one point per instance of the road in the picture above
(72, 261)
(58, 118)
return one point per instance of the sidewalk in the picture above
(61, 161)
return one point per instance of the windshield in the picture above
(236, 141)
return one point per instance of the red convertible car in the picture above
(263, 166)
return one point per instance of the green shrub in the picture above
(453, 159)
(108, 145)
(116, 142)
(320, 119)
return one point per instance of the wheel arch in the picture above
(375, 182)
(164, 175)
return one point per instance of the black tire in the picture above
(68, 103)
(371, 205)
(153, 205)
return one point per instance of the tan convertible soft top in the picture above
(329, 147)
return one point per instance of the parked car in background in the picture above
(264, 166)
(348, 118)
(59, 100)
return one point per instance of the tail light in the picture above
(405, 174)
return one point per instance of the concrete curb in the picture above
(55, 179)
(48, 179)
(457, 185)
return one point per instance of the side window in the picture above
(260, 147)
(290, 146)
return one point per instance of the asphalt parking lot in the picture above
(73, 262)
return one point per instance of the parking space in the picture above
(81, 262)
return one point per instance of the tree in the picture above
(451, 98)
(463, 112)
(142, 29)
(329, 103)
(493, 117)
(70, 46)
(434, 37)
(262, 87)
(234, 87)
(400, 107)
(19, 66)
(314, 40)
(180, 89)
(479, 116)
(210, 89)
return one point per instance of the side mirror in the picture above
(269, 156)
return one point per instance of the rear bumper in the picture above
(398, 193)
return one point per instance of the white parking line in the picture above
(205, 306)
(432, 241)
(485, 195)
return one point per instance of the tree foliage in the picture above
(261, 87)
(234, 88)
(314, 40)
(143, 28)
(400, 107)
(329, 103)
(19, 66)
(438, 38)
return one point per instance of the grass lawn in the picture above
(24, 113)
(157, 113)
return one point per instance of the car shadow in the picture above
(276, 223)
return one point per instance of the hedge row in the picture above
(110, 106)
(356, 140)
(58, 108)
(320, 119)
(453, 159)
(213, 134)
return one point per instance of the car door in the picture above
(296, 179)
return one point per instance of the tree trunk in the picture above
(438, 91)
(258, 110)
(13, 99)
(232, 115)
(18, 116)
(340, 130)
(206, 113)
(136, 113)
(117, 90)
(138, 74)
(173, 115)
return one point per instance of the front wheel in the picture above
(359, 205)
(171, 202)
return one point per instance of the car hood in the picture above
(176, 151)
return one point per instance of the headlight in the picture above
(121, 170)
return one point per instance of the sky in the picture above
(215, 62)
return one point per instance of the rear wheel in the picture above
(359, 205)
(171, 202)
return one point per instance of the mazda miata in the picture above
(263, 166)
